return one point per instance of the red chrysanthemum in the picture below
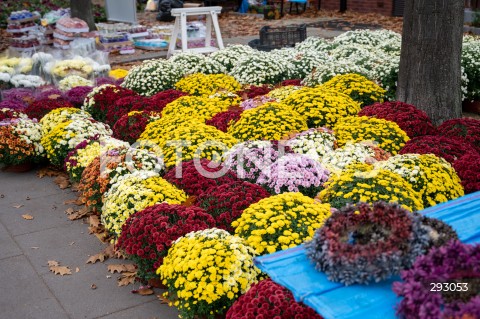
(294, 82)
(157, 102)
(467, 129)
(129, 127)
(40, 108)
(122, 106)
(253, 91)
(105, 100)
(223, 120)
(468, 169)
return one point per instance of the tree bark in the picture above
(430, 62)
(82, 9)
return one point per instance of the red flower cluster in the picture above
(410, 119)
(157, 102)
(105, 100)
(7, 113)
(129, 128)
(226, 202)
(122, 106)
(450, 149)
(252, 91)
(294, 82)
(223, 120)
(467, 129)
(468, 169)
(268, 300)
(40, 108)
(148, 234)
(193, 182)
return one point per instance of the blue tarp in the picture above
(291, 269)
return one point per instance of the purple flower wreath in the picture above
(451, 264)
(363, 243)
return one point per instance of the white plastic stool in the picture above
(181, 26)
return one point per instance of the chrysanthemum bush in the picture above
(358, 87)
(76, 96)
(152, 76)
(232, 99)
(106, 169)
(270, 121)
(227, 201)
(330, 68)
(201, 108)
(455, 264)
(209, 66)
(364, 243)
(467, 129)
(194, 177)
(389, 136)
(362, 183)
(294, 173)
(261, 68)
(135, 192)
(186, 61)
(206, 271)
(256, 102)
(410, 119)
(65, 136)
(123, 106)
(283, 92)
(224, 120)
(20, 141)
(40, 108)
(148, 234)
(159, 101)
(102, 98)
(61, 115)
(468, 169)
(303, 63)
(207, 84)
(431, 176)
(280, 222)
(131, 125)
(449, 148)
(251, 91)
(471, 67)
(7, 113)
(315, 142)
(268, 299)
(231, 55)
(322, 107)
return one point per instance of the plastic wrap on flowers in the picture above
(362, 152)
(294, 173)
(76, 96)
(322, 107)
(207, 84)
(231, 55)
(283, 92)
(20, 141)
(431, 176)
(195, 177)
(203, 280)
(130, 126)
(270, 121)
(7, 113)
(152, 77)
(467, 129)
(315, 142)
(160, 100)
(358, 87)
(468, 169)
(363, 183)
(72, 81)
(107, 169)
(426, 286)
(134, 193)
(65, 136)
(227, 201)
(389, 136)
(224, 120)
(261, 68)
(280, 222)
(40, 108)
(102, 98)
(364, 243)
(252, 91)
(86, 151)
(201, 108)
(449, 148)
(410, 119)
(122, 106)
(268, 299)
(61, 115)
(148, 234)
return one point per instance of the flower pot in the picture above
(19, 168)
(471, 106)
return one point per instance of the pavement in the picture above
(28, 289)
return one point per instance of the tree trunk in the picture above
(82, 9)
(430, 62)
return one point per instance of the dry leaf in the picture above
(79, 214)
(27, 217)
(52, 263)
(77, 269)
(120, 268)
(190, 201)
(102, 237)
(94, 221)
(69, 211)
(130, 267)
(17, 206)
(93, 286)
(145, 292)
(48, 171)
(61, 270)
(98, 257)
(126, 278)
(62, 181)
(156, 283)
(163, 300)
(70, 201)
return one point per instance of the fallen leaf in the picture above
(52, 263)
(156, 283)
(94, 221)
(70, 201)
(61, 270)
(102, 237)
(190, 201)
(121, 268)
(98, 257)
(69, 211)
(62, 181)
(73, 215)
(145, 292)
(77, 269)
(163, 300)
(93, 286)
(48, 171)
(17, 206)
(27, 217)
(126, 278)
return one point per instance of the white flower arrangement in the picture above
(81, 129)
(209, 66)
(471, 69)
(72, 81)
(313, 44)
(5, 77)
(350, 153)
(187, 61)
(331, 68)
(261, 68)
(372, 38)
(63, 68)
(31, 132)
(231, 55)
(27, 81)
(315, 143)
(303, 63)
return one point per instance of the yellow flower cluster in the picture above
(60, 115)
(322, 107)
(118, 73)
(280, 222)
(133, 193)
(199, 141)
(270, 121)
(362, 183)
(66, 67)
(358, 87)
(389, 136)
(283, 92)
(53, 139)
(431, 176)
(201, 108)
(205, 271)
(229, 98)
(207, 84)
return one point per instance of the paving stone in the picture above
(16, 185)
(9, 247)
(149, 310)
